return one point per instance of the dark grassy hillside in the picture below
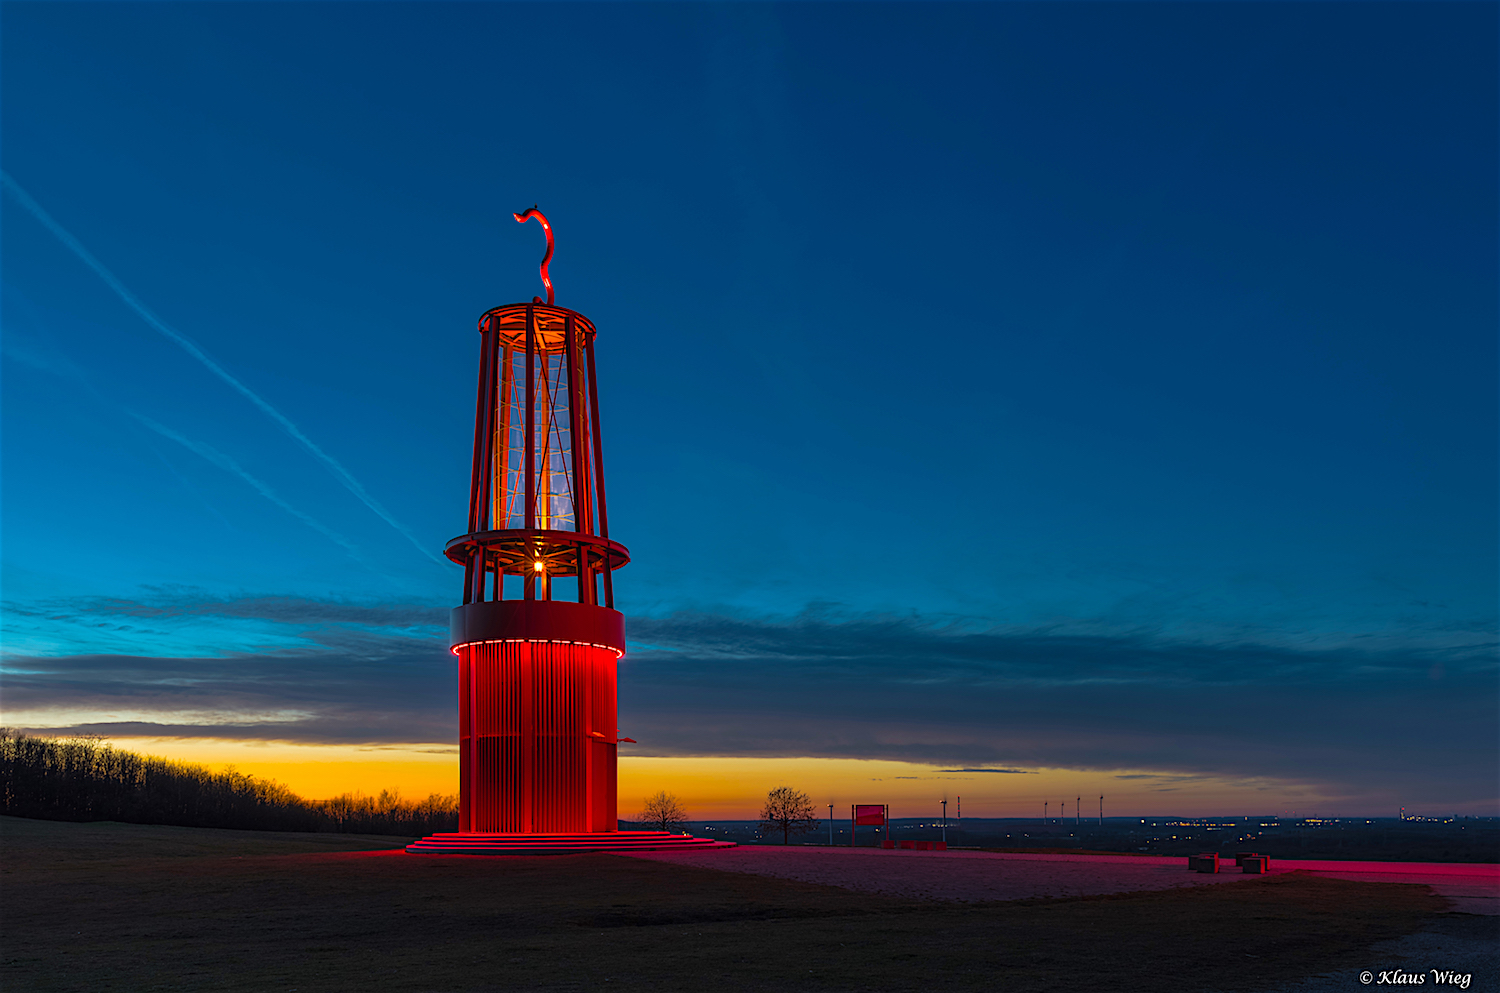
(110, 906)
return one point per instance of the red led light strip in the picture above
(537, 641)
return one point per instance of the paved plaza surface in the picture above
(971, 876)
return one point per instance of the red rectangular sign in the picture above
(869, 813)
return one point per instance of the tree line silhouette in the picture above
(84, 779)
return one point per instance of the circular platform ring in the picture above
(517, 550)
(551, 326)
(560, 621)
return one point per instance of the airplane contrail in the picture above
(343, 475)
(228, 464)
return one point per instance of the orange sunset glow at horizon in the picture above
(732, 788)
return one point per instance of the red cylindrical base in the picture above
(537, 738)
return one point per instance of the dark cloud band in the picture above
(1411, 723)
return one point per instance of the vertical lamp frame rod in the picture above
(530, 585)
(531, 577)
(609, 586)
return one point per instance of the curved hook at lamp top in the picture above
(547, 228)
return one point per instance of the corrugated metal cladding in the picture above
(529, 762)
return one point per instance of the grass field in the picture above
(107, 906)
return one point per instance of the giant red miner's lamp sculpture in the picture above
(537, 670)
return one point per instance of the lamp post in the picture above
(945, 823)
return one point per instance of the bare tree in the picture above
(663, 811)
(788, 810)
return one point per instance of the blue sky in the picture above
(1130, 345)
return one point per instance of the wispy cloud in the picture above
(349, 688)
(182, 341)
(184, 622)
(186, 601)
(1010, 772)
